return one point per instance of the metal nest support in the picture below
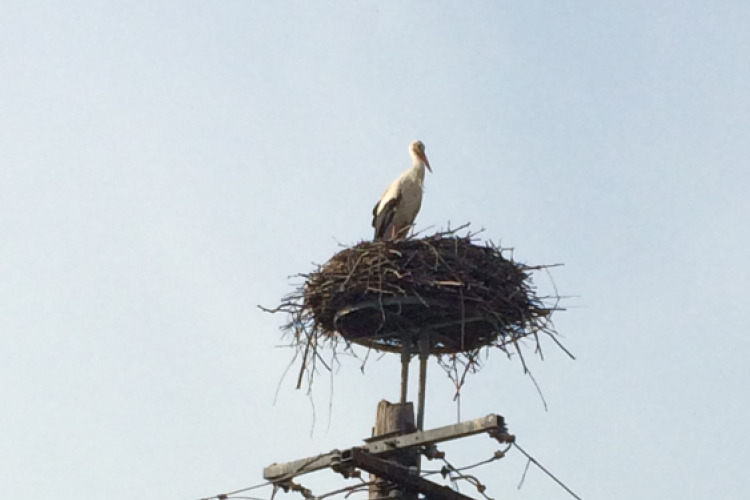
(446, 295)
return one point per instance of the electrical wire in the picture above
(225, 496)
(454, 474)
(552, 476)
(448, 471)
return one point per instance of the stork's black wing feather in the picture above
(383, 218)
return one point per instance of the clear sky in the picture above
(165, 166)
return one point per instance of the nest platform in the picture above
(462, 296)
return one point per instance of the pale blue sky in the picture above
(165, 166)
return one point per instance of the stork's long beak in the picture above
(426, 161)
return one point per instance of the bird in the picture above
(396, 210)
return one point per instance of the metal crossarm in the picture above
(494, 424)
(401, 476)
(490, 423)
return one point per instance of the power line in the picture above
(535, 462)
(231, 494)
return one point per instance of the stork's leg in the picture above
(394, 233)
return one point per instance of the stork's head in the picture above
(416, 149)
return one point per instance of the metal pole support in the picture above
(424, 353)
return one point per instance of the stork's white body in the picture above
(394, 214)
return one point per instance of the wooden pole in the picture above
(395, 419)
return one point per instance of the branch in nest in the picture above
(377, 293)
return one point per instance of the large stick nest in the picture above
(447, 289)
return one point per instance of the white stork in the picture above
(394, 214)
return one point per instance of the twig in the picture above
(483, 299)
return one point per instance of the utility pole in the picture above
(440, 295)
(393, 420)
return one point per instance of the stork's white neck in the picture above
(417, 168)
